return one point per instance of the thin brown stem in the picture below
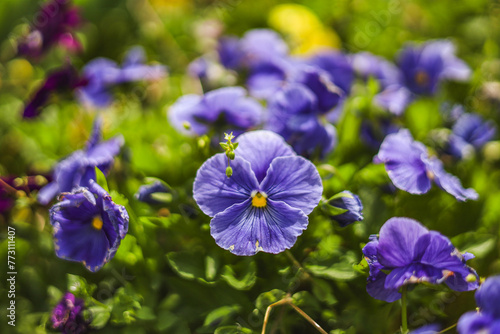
(8, 187)
(288, 300)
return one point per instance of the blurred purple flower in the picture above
(405, 252)
(338, 67)
(470, 133)
(198, 68)
(411, 169)
(264, 205)
(218, 110)
(293, 114)
(259, 45)
(428, 329)
(487, 320)
(59, 18)
(230, 53)
(88, 226)
(393, 96)
(67, 316)
(78, 169)
(102, 74)
(65, 79)
(425, 66)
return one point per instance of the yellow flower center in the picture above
(259, 200)
(97, 223)
(422, 78)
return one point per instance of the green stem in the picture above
(404, 320)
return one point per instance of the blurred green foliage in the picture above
(168, 275)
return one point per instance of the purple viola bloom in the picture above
(78, 168)
(425, 66)
(264, 205)
(59, 19)
(293, 113)
(218, 110)
(64, 79)
(88, 226)
(405, 252)
(262, 45)
(487, 320)
(230, 53)
(349, 203)
(265, 78)
(102, 74)
(410, 167)
(393, 96)
(338, 66)
(470, 133)
(67, 316)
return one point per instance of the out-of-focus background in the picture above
(168, 275)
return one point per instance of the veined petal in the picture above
(376, 288)
(259, 148)
(449, 183)
(215, 192)
(295, 181)
(245, 230)
(398, 240)
(402, 157)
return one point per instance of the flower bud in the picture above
(229, 171)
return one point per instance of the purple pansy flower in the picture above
(338, 66)
(405, 252)
(487, 320)
(264, 205)
(262, 45)
(410, 168)
(470, 133)
(65, 79)
(58, 19)
(293, 113)
(77, 169)
(428, 329)
(102, 74)
(88, 226)
(218, 110)
(229, 51)
(350, 203)
(425, 66)
(67, 316)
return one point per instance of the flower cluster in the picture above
(93, 86)
(405, 252)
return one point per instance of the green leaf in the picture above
(323, 291)
(192, 266)
(267, 298)
(220, 315)
(100, 316)
(241, 276)
(478, 244)
(233, 330)
(101, 179)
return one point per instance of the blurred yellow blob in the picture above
(306, 32)
(20, 71)
(164, 4)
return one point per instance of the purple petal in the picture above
(295, 181)
(260, 148)
(245, 230)
(473, 322)
(449, 183)
(403, 162)
(376, 288)
(183, 111)
(394, 98)
(215, 192)
(488, 296)
(398, 240)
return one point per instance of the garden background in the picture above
(168, 274)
